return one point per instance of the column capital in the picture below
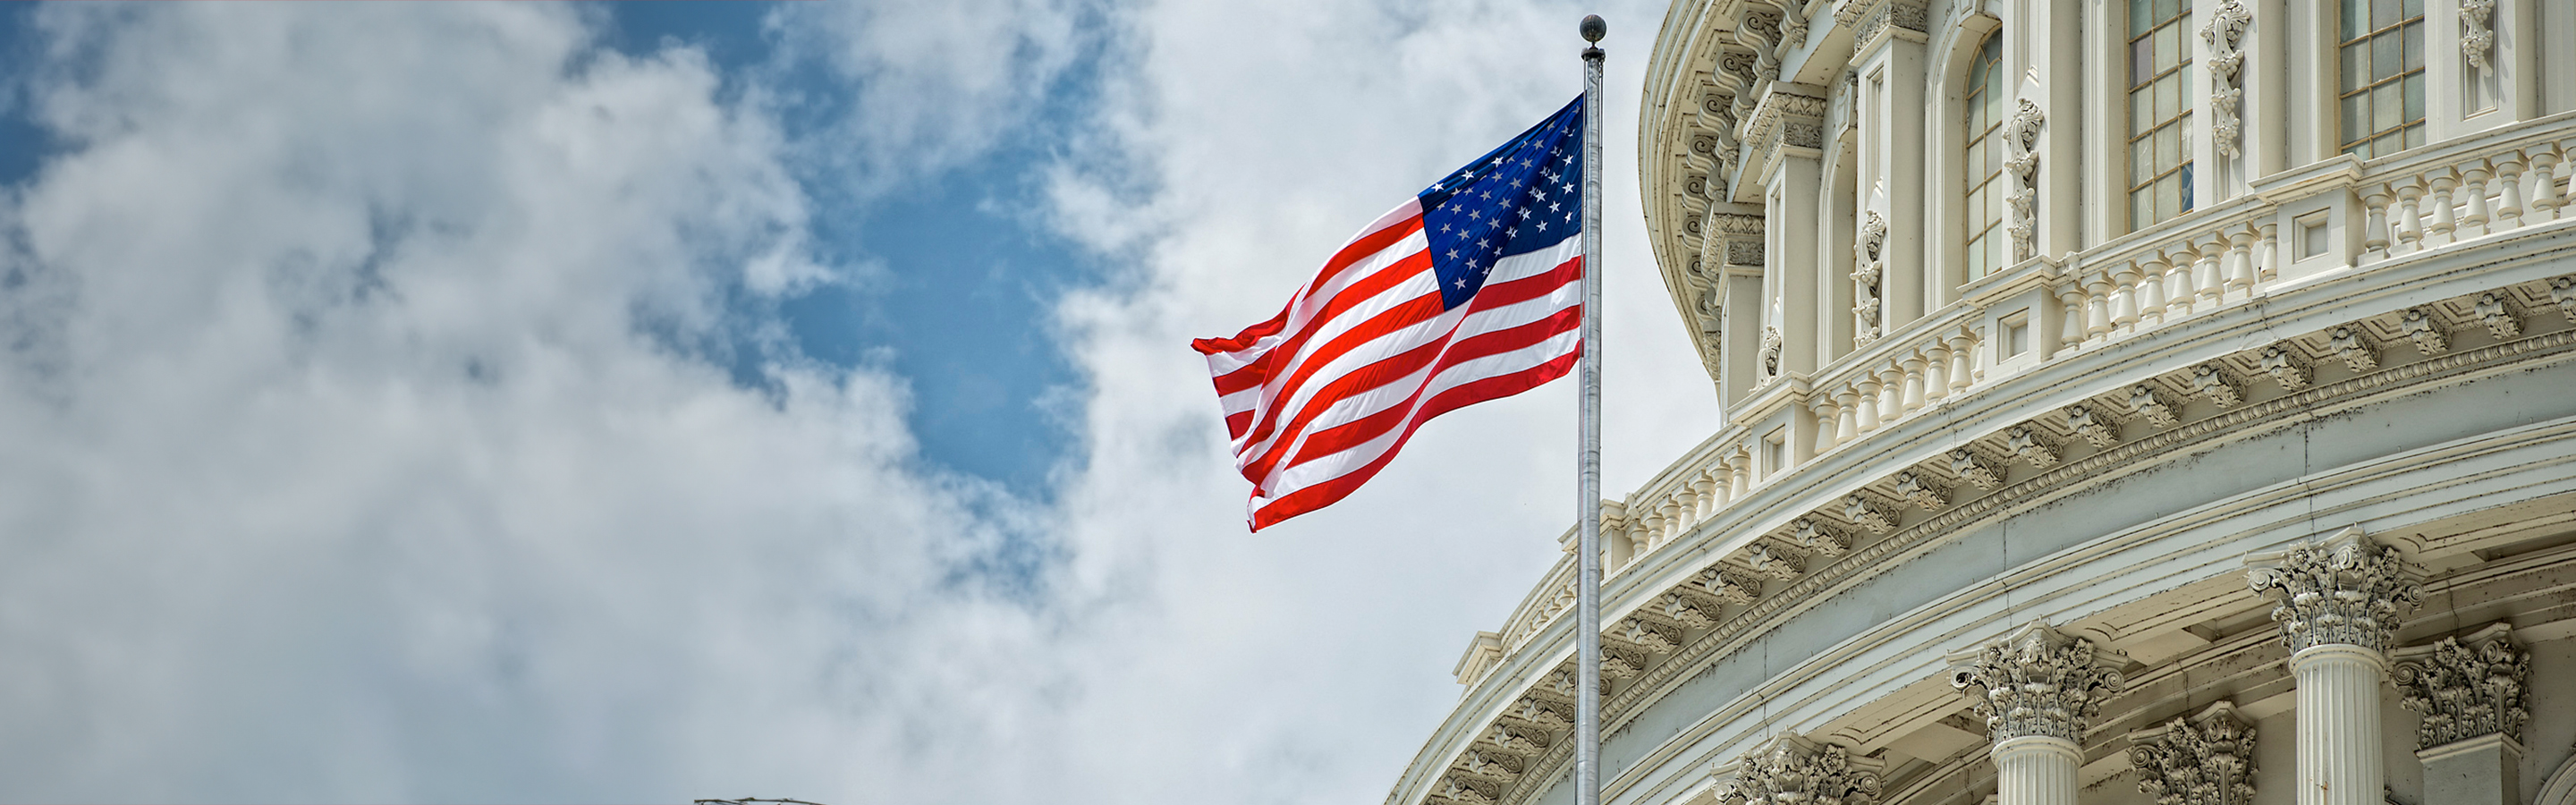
(1790, 768)
(2036, 683)
(2466, 688)
(2345, 590)
(2207, 759)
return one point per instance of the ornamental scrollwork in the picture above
(1865, 280)
(2345, 590)
(2466, 689)
(2226, 37)
(2477, 35)
(1791, 770)
(2036, 683)
(2206, 760)
(2021, 138)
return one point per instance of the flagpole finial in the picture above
(1594, 28)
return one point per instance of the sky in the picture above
(651, 401)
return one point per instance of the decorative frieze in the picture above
(1792, 770)
(2355, 347)
(2148, 401)
(2345, 590)
(1496, 766)
(1774, 561)
(2090, 426)
(1621, 662)
(1516, 740)
(1653, 636)
(2466, 688)
(1467, 791)
(2562, 291)
(1727, 585)
(2425, 329)
(1686, 610)
(1819, 537)
(2225, 34)
(2028, 445)
(2216, 384)
(1924, 493)
(2204, 760)
(2036, 682)
(1869, 514)
(2495, 310)
(1976, 468)
(2286, 367)
(1545, 714)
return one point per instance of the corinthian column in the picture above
(1791, 770)
(2036, 690)
(2339, 600)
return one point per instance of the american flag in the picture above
(1469, 291)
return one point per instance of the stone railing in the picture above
(2226, 254)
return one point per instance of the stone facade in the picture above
(2268, 498)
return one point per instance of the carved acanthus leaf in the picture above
(2355, 347)
(2477, 34)
(2562, 292)
(2225, 35)
(2495, 310)
(2217, 384)
(2205, 760)
(2425, 329)
(1869, 514)
(2286, 367)
(2028, 445)
(2091, 426)
(1819, 536)
(1791, 770)
(2466, 689)
(1976, 468)
(1727, 585)
(1774, 561)
(1924, 493)
(2148, 401)
(2036, 683)
(2345, 590)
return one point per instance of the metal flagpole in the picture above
(1587, 456)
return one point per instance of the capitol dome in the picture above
(2128, 402)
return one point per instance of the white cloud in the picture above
(354, 445)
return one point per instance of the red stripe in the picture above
(1236, 422)
(1406, 314)
(1491, 388)
(1258, 371)
(1357, 381)
(1357, 432)
(1366, 245)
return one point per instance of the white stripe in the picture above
(1324, 469)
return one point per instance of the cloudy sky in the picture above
(461, 402)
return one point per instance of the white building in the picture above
(2131, 402)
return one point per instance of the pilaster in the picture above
(2472, 692)
(2207, 759)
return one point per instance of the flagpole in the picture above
(1587, 597)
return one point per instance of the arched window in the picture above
(2383, 76)
(2159, 111)
(1985, 104)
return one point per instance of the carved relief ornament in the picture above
(1791, 770)
(2204, 760)
(2466, 688)
(2021, 138)
(2226, 37)
(2036, 683)
(2345, 590)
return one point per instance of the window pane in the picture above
(2383, 57)
(2389, 143)
(2356, 66)
(2169, 100)
(2415, 97)
(2142, 112)
(2184, 177)
(2414, 8)
(2142, 161)
(2140, 16)
(2356, 117)
(2167, 8)
(2356, 18)
(2142, 61)
(2167, 39)
(2385, 106)
(2383, 13)
(2415, 135)
(2169, 146)
(2415, 46)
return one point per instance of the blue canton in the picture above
(1523, 197)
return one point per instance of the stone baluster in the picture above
(1913, 397)
(2206, 284)
(1868, 402)
(2179, 258)
(2544, 182)
(2339, 600)
(1891, 391)
(2070, 297)
(1742, 469)
(1962, 359)
(1704, 493)
(2037, 690)
(2097, 307)
(1825, 437)
(2151, 289)
(2446, 221)
(1673, 525)
(2266, 269)
(1936, 371)
(2124, 298)
(2239, 271)
(1846, 414)
(2508, 205)
(2473, 184)
(2407, 219)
